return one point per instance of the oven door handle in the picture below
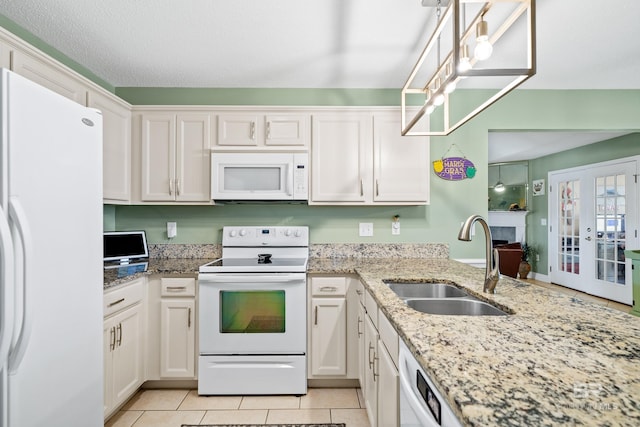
(254, 278)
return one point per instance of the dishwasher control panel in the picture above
(429, 397)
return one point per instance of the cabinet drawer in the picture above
(328, 286)
(360, 291)
(372, 308)
(389, 336)
(178, 286)
(123, 297)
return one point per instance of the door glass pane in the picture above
(610, 228)
(251, 312)
(252, 178)
(569, 226)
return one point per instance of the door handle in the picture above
(370, 359)
(189, 320)
(112, 339)
(359, 322)
(315, 315)
(119, 334)
(170, 187)
(6, 288)
(253, 130)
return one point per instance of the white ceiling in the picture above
(581, 44)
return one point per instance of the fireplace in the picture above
(507, 227)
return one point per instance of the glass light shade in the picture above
(430, 109)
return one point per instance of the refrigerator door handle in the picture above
(6, 290)
(18, 218)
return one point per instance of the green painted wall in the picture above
(451, 202)
(617, 148)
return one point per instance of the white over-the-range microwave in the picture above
(259, 176)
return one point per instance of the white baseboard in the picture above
(475, 262)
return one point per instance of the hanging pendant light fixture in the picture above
(454, 79)
(499, 187)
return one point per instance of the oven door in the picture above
(252, 313)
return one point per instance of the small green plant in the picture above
(528, 252)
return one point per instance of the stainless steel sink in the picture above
(426, 290)
(455, 307)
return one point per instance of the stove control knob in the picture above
(233, 233)
(287, 232)
(243, 232)
(298, 233)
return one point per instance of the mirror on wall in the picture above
(508, 186)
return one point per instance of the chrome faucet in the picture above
(492, 273)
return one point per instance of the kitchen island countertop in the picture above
(557, 360)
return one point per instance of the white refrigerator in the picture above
(51, 258)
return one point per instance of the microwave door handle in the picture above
(289, 180)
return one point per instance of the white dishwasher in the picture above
(420, 403)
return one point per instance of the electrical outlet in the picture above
(543, 221)
(366, 229)
(395, 228)
(172, 229)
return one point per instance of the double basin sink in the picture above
(443, 299)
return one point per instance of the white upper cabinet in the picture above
(400, 163)
(341, 157)
(359, 158)
(49, 76)
(116, 149)
(5, 55)
(175, 157)
(259, 130)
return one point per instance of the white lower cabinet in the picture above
(172, 328)
(333, 340)
(379, 360)
(124, 337)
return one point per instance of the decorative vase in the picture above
(523, 269)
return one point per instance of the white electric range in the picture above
(252, 312)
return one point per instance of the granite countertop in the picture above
(555, 360)
(118, 276)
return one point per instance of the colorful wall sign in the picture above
(454, 168)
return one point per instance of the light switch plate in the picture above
(172, 229)
(366, 229)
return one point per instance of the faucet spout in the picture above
(492, 258)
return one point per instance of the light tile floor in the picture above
(171, 408)
(586, 297)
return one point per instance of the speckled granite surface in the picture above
(556, 361)
(378, 250)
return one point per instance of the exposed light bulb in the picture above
(430, 109)
(451, 86)
(499, 187)
(483, 49)
(465, 61)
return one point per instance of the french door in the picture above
(593, 219)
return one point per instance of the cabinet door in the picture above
(108, 342)
(341, 157)
(5, 55)
(239, 129)
(370, 389)
(116, 147)
(387, 388)
(401, 163)
(193, 158)
(158, 157)
(49, 76)
(128, 363)
(286, 129)
(362, 362)
(177, 338)
(328, 336)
